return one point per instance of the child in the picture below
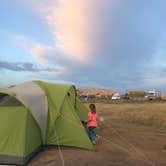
(92, 122)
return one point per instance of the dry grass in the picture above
(151, 114)
(151, 118)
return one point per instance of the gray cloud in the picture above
(24, 66)
(129, 46)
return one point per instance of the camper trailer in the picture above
(153, 95)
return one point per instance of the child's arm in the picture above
(88, 120)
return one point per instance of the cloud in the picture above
(113, 43)
(47, 55)
(72, 29)
(40, 52)
(24, 66)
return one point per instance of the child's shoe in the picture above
(94, 142)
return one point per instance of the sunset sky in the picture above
(117, 44)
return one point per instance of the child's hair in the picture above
(92, 108)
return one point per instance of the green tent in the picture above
(38, 113)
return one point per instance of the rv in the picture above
(153, 95)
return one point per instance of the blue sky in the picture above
(114, 44)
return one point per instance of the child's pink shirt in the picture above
(93, 119)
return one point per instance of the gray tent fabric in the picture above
(6, 100)
(15, 160)
(33, 97)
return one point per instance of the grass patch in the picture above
(150, 118)
(149, 114)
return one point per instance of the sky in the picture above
(116, 44)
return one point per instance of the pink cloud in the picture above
(70, 23)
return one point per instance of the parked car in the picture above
(116, 96)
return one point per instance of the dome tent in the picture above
(38, 113)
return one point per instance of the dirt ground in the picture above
(121, 143)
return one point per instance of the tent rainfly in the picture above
(39, 113)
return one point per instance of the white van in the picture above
(116, 96)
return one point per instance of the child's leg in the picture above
(91, 133)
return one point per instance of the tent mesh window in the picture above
(7, 100)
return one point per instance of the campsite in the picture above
(131, 135)
(43, 127)
(83, 83)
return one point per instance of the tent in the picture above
(39, 113)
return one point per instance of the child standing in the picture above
(92, 122)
